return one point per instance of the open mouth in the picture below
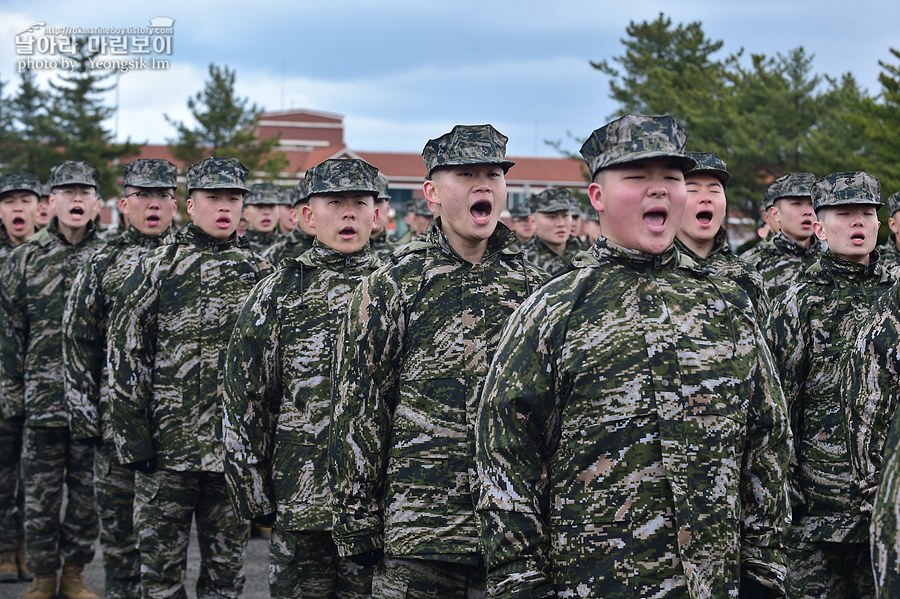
(704, 217)
(223, 222)
(347, 232)
(18, 222)
(481, 212)
(153, 219)
(655, 220)
(77, 211)
(858, 238)
(265, 222)
(807, 223)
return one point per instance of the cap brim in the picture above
(686, 163)
(219, 186)
(75, 181)
(505, 164)
(150, 184)
(721, 175)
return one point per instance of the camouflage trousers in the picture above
(50, 461)
(12, 492)
(165, 504)
(114, 485)
(306, 564)
(829, 571)
(401, 578)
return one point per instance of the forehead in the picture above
(217, 193)
(702, 178)
(343, 195)
(467, 168)
(794, 199)
(18, 194)
(646, 164)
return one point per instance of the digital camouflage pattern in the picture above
(399, 578)
(381, 183)
(34, 283)
(278, 387)
(263, 194)
(540, 254)
(74, 172)
(846, 188)
(114, 489)
(552, 199)
(885, 526)
(722, 262)
(167, 338)
(260, 241)
(150, 173)
(20, 182)
(217, 173)
(411, 361)
(632, 437)
(707, 162)
(292, 245)
(890, 252)
(467, 144)
(635, 137)
(342, 176)
(780, 260)
(419, 207)
(304, 564)
(791, 185)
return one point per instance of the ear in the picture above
(894, 225)
(431, 192)
(190, 206)
(306, 214)
(375, 215)
(595, 194)
(123, 206)
(819, 230)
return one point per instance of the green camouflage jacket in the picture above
(722, 262)
(383, 245)
(632, 437)
(872, 386)
(537, 252)
(85, 321)
(34, 284)
(780, 260)
(291, 245)
(411, 361)
(278, 387)
(890, 254)
(260, 242)
(167, 340)
(885, 526)
(812, 327)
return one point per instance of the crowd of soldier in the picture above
(538, 410)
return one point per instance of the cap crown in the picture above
(217, 173)
(74, 172)
(848, 187)
(467, 144)
(635, 137)
(340, 176)
(150, 172)
(20, 182)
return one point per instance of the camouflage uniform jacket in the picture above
(721, 261)
(780, 260)
(872, 385)
(411, 361)
(167, 339)
(34, 284)
(540, 254)
(259, 241)
(812, 327)
(383, 245)
(890, 254)
(85, 322)
(632, 437)
(885, 527)
(278, 387)
(291, 245)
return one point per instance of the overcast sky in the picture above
(402, 71)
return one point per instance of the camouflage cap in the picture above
(381, 182)
(285, 197)
(467, 144)
(842, 188)
(592, 215)
(552, 199)
(420, 207)
(74, 172)
(893, 203)
(707, 162)
(20, 182)
(341, 176)
(46, 190)
(147, 172)
(299, 193)
(263, 194)
(520, 210)
(635, 137)
(217, 173)
(791, 185)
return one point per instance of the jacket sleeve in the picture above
(131, 347)
(514, 436)
(364, 395)
(252, 399)
(84, 351)
(14, 315)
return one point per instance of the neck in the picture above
(556, 248)
(804, 243)
(73, 235)
(20, 239)
(865, 259)
(701, 247)
(468, 251)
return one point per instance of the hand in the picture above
(367, 559)
(145, 466)
(266, 520)
(750, 589)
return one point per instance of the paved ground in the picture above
(256, 566)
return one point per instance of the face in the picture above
(217, 212)
(553, 228)
(591, 229)
(18, 212)
(149, 210)
(575, 227)
(704, 211)
(470, 199)
(384, 216)
(795, 216)
(74, 204)
(45, 212)
(342, 221)
(286, 219)
(261, 217)
(641, 203)
(420, 223)
(851, 231)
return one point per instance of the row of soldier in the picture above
(444, 418)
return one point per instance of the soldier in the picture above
(811, 328)
(149, 203)
(522, 222)
(890, 250)
(167, 339)
(382, 243)
(632, 436)
(300, 239)
(287, 221)
(590, 227)
(34, 284)
(278, 387)
(780, 259)
(261, 214)
(702, 236)
(45, 211)
(411, 360)
(575, 229)
(552, 247)
(422, 216)
(19, 195)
